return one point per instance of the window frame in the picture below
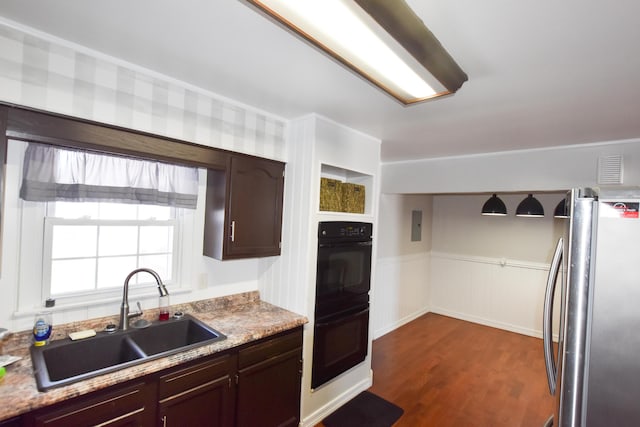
(144, 282)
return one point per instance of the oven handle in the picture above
(344, 244)
(342, 318)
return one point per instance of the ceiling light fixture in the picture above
(385, 42)
(494, 206)
(530, 207)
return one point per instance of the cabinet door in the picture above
(254, 216)
(199, 395)
(269, 383)
(126, 406)
(13, 422)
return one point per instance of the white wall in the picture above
(458, 228)
(492, 270)
(525, 170)
(43, 72)
(403, 266)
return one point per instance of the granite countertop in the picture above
(242, 318)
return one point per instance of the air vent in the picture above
(610, 169)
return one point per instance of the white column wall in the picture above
(402, 278)
(290, 281)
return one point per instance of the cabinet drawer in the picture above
(130, 405)
(271, 348)
(193, 376)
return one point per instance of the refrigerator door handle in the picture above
(547, 329)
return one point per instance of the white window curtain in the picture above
(54, 174)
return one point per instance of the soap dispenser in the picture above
(43, 325)
(42, 328)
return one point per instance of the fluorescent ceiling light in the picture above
(368, 37)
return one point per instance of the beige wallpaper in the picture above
(458, 228)
(43, 72)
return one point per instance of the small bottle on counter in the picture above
(163, 305)
(42, 327)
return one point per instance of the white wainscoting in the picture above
(400, 291)
(502, 293)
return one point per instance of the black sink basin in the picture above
(65, 362)
(184, 334)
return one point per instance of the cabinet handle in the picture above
(164, 421)
(233, 231)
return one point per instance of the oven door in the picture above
(340, 342)
(343, 270)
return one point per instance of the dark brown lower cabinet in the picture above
(121, 406)
(269, 378)
(12, 422)
(199, 395)
(256, 385)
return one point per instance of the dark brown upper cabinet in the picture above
(243, 214)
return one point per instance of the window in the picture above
(80, 252)
(91, 247)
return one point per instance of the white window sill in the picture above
(149, 297)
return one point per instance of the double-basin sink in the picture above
(64, 362)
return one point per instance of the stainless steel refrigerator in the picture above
(594, 371)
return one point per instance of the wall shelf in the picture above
(352, 177)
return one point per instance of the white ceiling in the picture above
(541, 73)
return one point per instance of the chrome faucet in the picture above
(124, 308)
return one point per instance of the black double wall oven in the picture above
(343, 278)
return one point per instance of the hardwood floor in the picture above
(448, 372)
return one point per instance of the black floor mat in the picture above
(365, 410)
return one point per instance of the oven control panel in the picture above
(345, 230)
(350, 231)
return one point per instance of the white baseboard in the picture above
(395, 325)
(487, 322)
(326, 410)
